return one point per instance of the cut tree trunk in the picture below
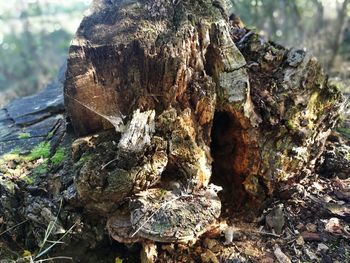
(175, 102)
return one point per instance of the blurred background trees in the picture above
(34, 40)
(319, 26)
(35, 35)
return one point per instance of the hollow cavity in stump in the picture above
(226, 149)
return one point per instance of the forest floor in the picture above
(313, 216)
(308, 221)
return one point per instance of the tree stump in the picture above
(174, 101)
(232, 107)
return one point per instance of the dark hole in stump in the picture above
(229, 152)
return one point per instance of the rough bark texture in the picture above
(245, 113)
(171, 97)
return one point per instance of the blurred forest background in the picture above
(35, 36)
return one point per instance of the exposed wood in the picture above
(168, 98)
(232, 108)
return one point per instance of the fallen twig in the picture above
(7, 230)
(48, 259)
(266, 233)
(105, 165)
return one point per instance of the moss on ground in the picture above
(42, 150)
(24, 135)
(58, 157)
(290, 125)
(85, 158)
(26, 167)
(11, 156)
(50, 134)
(39, 170)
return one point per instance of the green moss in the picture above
(7, 184)
(58, 157)
(344, 131)
(85, 158)
(24, 135)
(348, 157)
(338, 85)
(41, 169)
(14, 155)
(25, 169)
(42, 150)
(162, 193)
(50, 134)
(10, 156)
(290, 125)
(28, 180)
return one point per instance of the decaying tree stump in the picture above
(172, 101)
(195, 98)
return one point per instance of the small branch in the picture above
(7, 230)
(49, 259)
(260, 232)
(266, 233)
(105, 165)
(245, 37)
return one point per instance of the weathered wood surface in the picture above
(168, 96)
(255, 114)
(33, 117)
